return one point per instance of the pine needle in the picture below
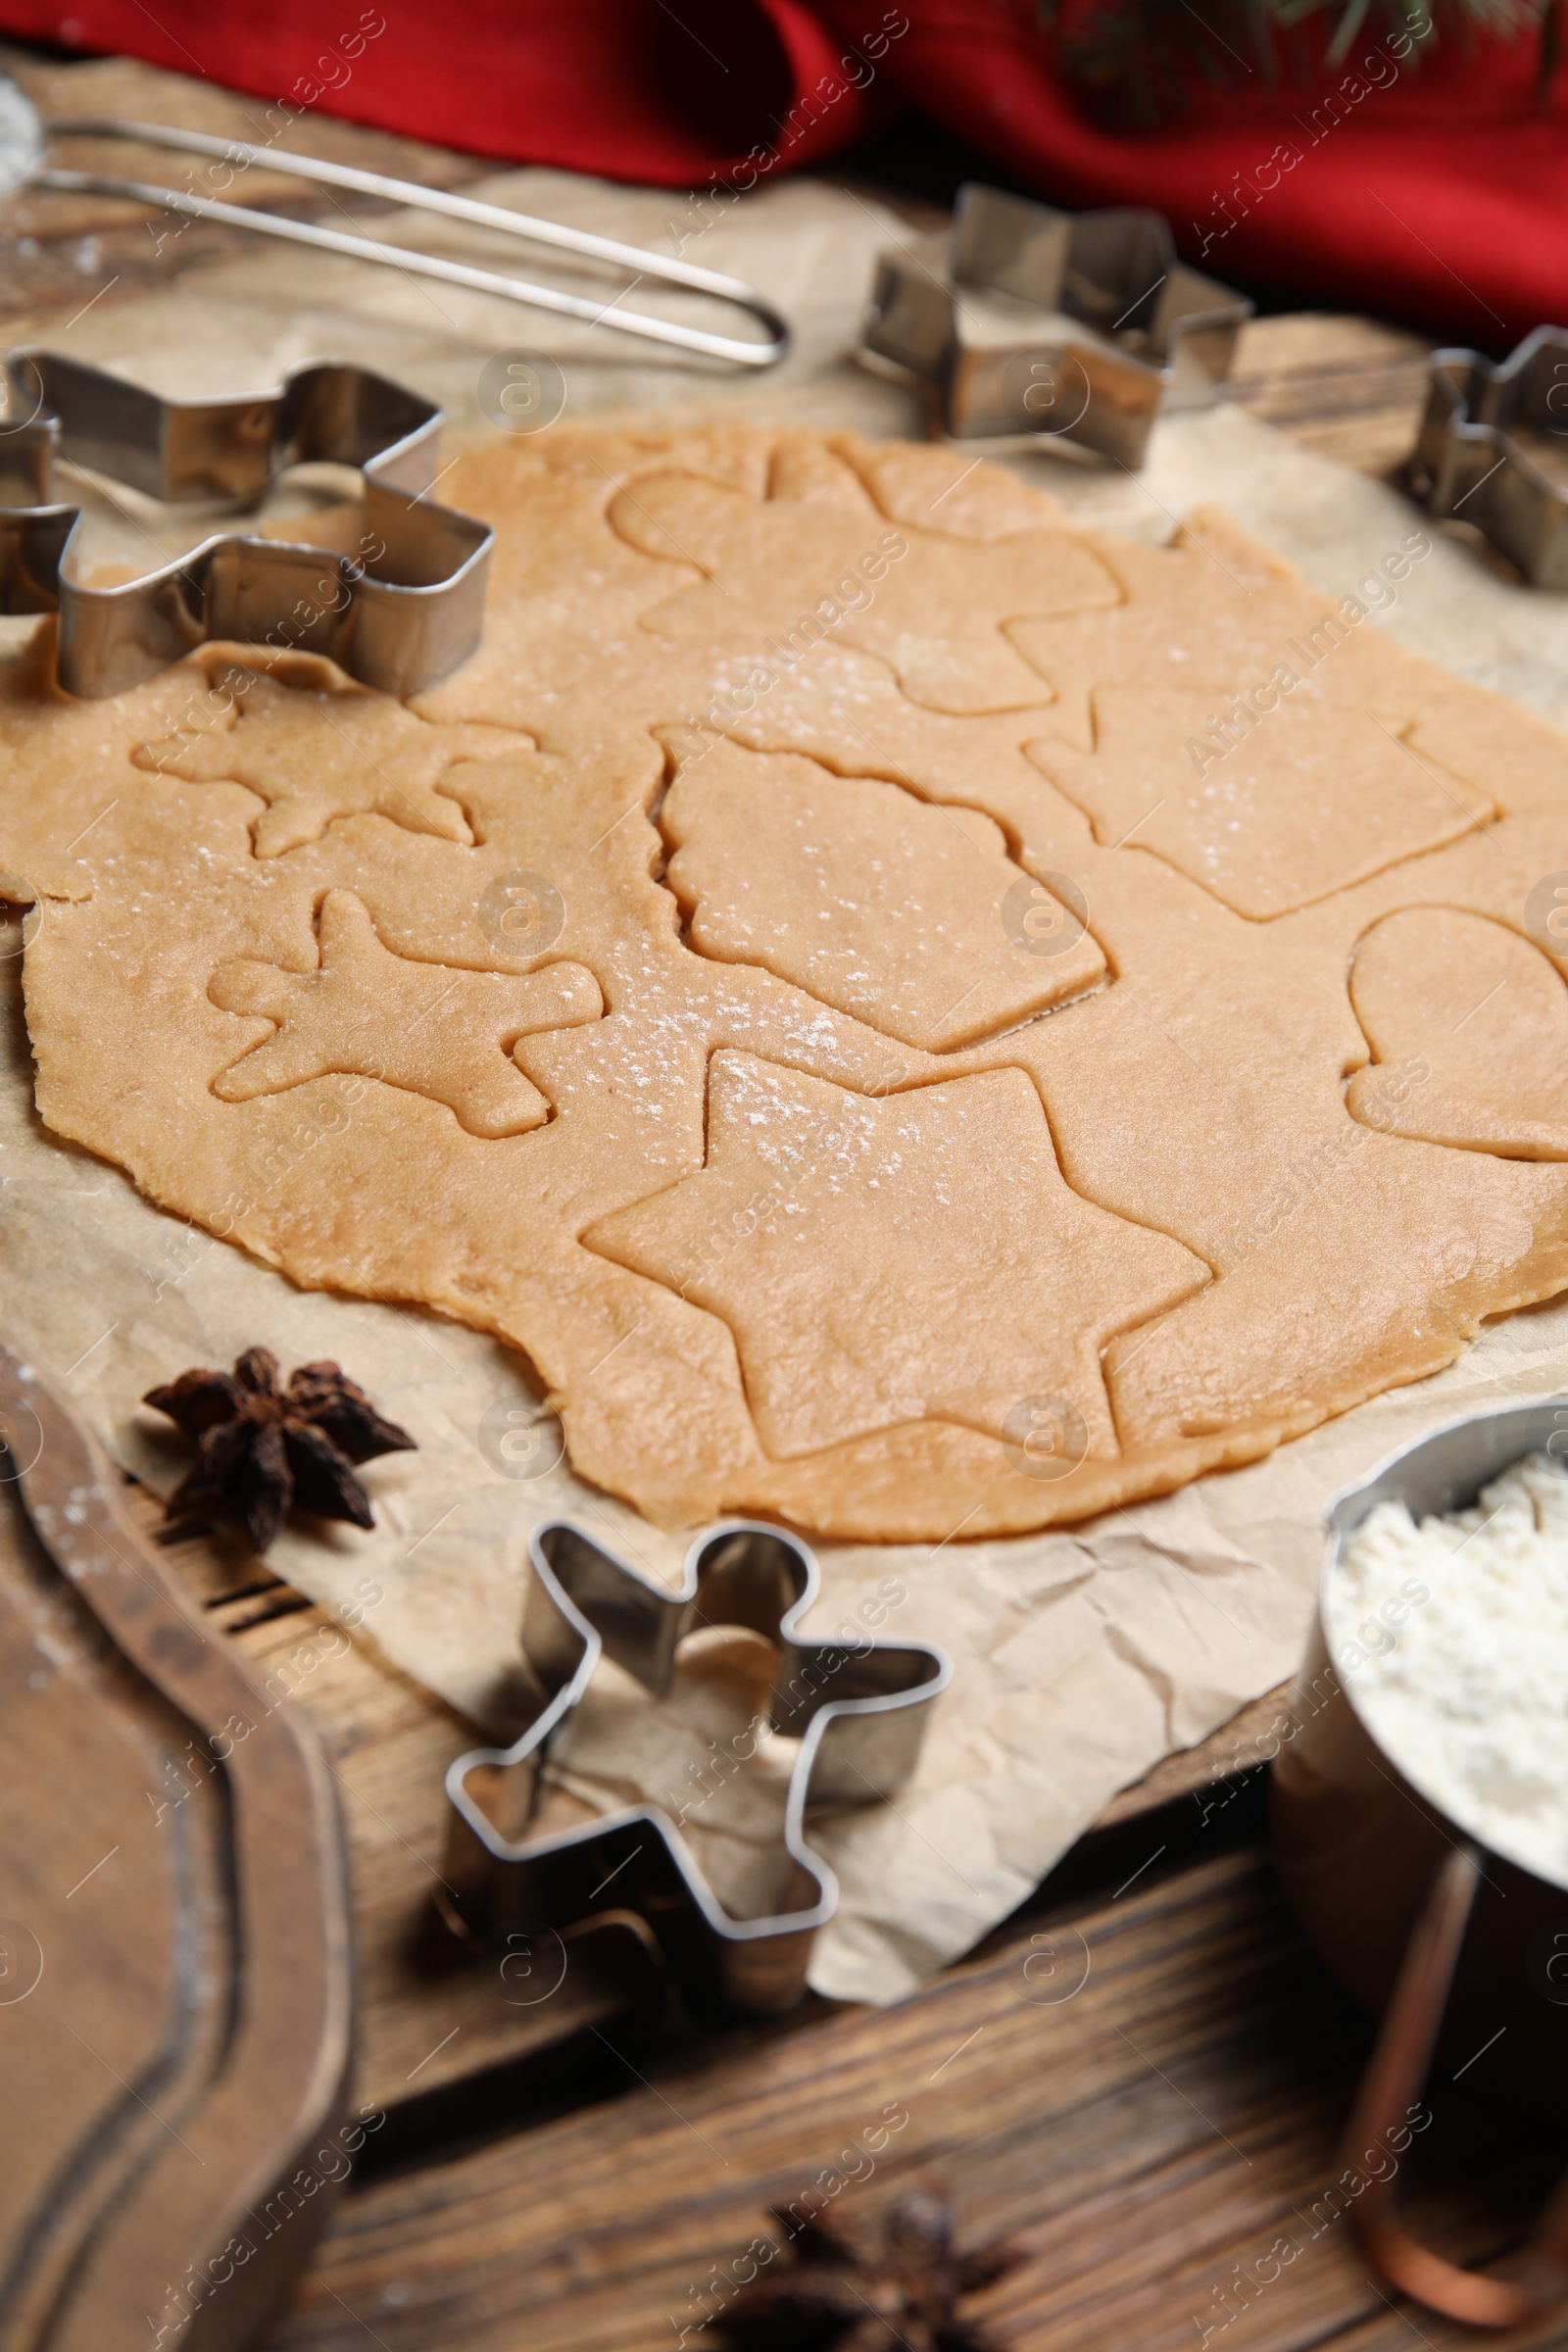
(1142, 57)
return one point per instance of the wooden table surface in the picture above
(580, 2173)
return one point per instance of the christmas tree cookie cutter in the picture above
(1470, 463)
(399, 613)
(1036, 323)
(858, 1711)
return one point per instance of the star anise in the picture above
(262, 1447)
(822, 2294)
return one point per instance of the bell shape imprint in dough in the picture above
(783, 574)
(915, 1257)
(1469, 1025)
(1201, 613)
(1317, 797)
(421, 1026)
(911, 917)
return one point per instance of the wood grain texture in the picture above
(1350, 388)
(175, 1990)
(429, 2019)
(1145, 2141)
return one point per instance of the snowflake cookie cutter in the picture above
(1034, 323)
(858, 1711)
(1468, 464)
(399, 614)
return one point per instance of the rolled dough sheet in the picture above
(907, 1013)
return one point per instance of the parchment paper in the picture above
(1081, 1657)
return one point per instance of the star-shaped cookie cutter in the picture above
(399, 614)
(1468, 464)
(859, 1711)
(1034, 322)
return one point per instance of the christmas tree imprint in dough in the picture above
(917, 1257)
(1198, 1092)
(911, 917)
(1315, 798)
(423, 1026)
(314, 752)
(846, 712)
(1469, 1025)
(931, 606)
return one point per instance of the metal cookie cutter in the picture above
(25, 135)
(1457, 1944)
(1034, 322)
(857, 1712)
(409, 609)
(1472, 457)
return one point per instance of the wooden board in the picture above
(174, 1986)
(1349, 388)
(1159, 2145)
(430, 2020)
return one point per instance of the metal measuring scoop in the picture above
(25, 135)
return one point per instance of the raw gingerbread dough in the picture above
(1479, 1009)
(834, 980)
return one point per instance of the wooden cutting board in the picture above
(174, 1967)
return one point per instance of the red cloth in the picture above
(1436, 194)
(1439, 194)
(632, 88)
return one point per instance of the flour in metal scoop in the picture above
(1452, 1639)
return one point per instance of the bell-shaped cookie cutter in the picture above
(1467, 464)
(858, 1709)
(399, 614)
(1088, 324)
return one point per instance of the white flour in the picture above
(1454, 1638)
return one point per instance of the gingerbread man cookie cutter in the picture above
(1034, 323)
(398, 615)
(1469, 465)
(859, 1711)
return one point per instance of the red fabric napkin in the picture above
(636, 89)
(1436, 194)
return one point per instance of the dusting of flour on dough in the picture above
(685, 991)
(1456, 1637)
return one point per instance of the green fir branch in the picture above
(1143, 56)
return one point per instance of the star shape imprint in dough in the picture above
(917, 1257)
(423, 1026)
(314, 752)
